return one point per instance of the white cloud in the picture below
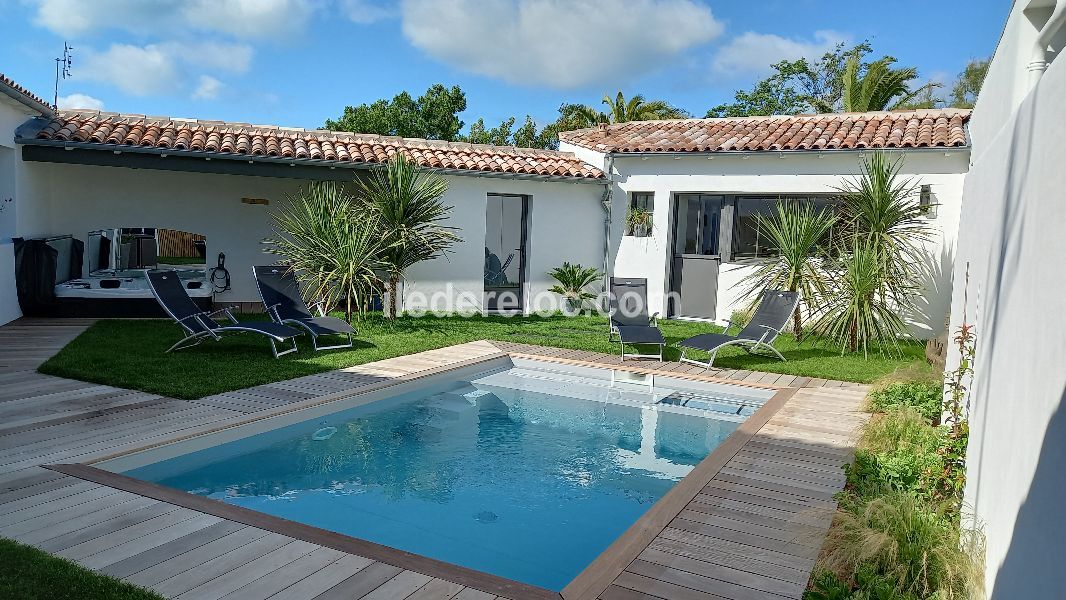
(241, 18)
(136, 70)
(233, 58)
(81, 101)
(366, 12)
(752, 53)
(558, 43)
(207, 89)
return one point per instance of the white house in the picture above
(706, 181)
(1010, 284)
(102, 176)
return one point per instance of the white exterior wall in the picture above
(774, 173)
(1012, 242)
(565, 219)
(12, 203)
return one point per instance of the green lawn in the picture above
(27, 573)
(130, 353)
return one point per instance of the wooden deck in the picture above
(749, 527)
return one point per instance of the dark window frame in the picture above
(736, 253)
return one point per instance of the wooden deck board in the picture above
(751, 532)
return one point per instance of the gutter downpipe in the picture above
(1039, 63)
(608, 202)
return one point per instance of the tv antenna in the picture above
(63, 69)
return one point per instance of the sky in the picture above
(298, 62)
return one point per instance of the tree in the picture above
(433, 116)
(526, 136)
(619, 110)
(334, 249)
(796, 86)
(878, 85)
(877, 278)
(796, 231)
(968, 85)
(407, 203)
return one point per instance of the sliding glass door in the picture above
(694, 268)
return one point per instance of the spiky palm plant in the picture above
(880, 86)
(619, 110)
(407, 203)
(855, 313)
(574, 281)
(883, 207)
(795, 230)
(334, 249)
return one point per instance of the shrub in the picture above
(924, 396)
(740, 318)
(898, 451)
(894, 542)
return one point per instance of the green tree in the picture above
(526, 136)
(879, 86)
(796, 231)
(407, 203)
(334, 249)
(433, 116)
(499, 135)
(968, 85)
(796, 86)
(620, 110)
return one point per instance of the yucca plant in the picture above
(856, 314)
(334, 249)
(574, 281)
(795, 231)
(407, 202)
(882, 207)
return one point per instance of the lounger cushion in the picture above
(636, 334)
(707, 341)
(327, 325)
(283, 332)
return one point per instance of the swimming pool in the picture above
(524, 469)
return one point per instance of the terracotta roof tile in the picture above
(242, 139)
(931, 128)
(23, 95)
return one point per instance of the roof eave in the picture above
(333, 164)
(19, 96)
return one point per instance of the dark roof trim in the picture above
(163, 154)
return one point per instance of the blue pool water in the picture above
(525, 473)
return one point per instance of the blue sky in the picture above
(298, 62)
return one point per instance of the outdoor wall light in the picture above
(257, 201)
(925, 201)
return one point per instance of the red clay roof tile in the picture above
(111, 129)
(927, 128)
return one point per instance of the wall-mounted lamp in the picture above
(262, 201)
(925, 201)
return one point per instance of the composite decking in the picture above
(749, 527)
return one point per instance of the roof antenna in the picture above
(63, 70)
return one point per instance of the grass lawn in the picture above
(30, 574)
(130, 353)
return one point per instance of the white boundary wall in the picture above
(1013, 243)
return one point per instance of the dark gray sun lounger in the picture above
(770, 318)
(200, 325)
(283, 302)
(630, 320)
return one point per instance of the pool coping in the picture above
(587, 585)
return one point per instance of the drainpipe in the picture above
(1038, 64)
(608, 193)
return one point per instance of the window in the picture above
(748, 239)
(698, 217)
(639, 215)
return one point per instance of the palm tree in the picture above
(882, 206)
(334, 249)
(795, 231)
(407, 203)
(856, 314)
(880, 87)
(619, 110)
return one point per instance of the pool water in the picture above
(528, 473)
